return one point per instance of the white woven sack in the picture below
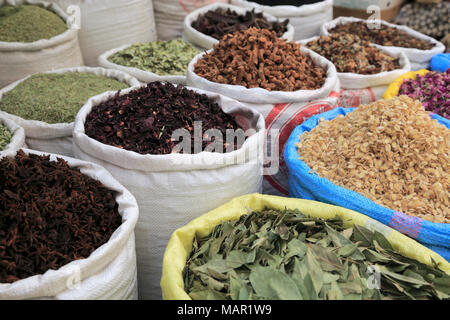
(361, 81)
(360, 89)
(174, 189)
(262, 96)
(207, 42)
(18, 59)
(57, 138)
(17, 137)
(282, 111)
(170, 14)
(142, 75)
(306, 19)
(108, 24)
(419, 59)
(109, 273)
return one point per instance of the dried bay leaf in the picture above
(286, 255)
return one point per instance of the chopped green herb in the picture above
(161, 57)
(56, 98)
(28, 23)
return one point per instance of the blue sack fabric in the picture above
(306, 185)
(440, 62)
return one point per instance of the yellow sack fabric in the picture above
(180, 244)
(394, 87)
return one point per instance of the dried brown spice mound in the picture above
(50, 215)
(351, 54)
(219, 22)
(384, 36)
(143, 120)
(257, 58)
(390, 151)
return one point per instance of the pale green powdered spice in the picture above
(5, 137)
(29, 23)
(56, 98)
(161, 57)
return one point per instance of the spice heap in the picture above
(351, 54)
(288, 256)
(144, 120)
(257, 58)
(56, 97)
(161, 57)
(389, 151)
(50, 215)
(285, 2)
(28, 23)
(5, 137)
(385, 35)
(432, 89)
(219, 22)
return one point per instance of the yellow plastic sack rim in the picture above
(180, 244)
(394, 87)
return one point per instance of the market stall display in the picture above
(158, 174)
(265, 247)
(43, 41)
(71, 234)
(45, 104)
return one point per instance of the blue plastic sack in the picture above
(305, 185)
(440, 62)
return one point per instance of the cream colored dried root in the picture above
(391, 152)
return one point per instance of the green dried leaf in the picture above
(286, 255)
(161, 57)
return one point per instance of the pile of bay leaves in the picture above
(287, 255)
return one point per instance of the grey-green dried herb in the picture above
(161, 57)
(287, 255)
(5, 137)
(56, 97)
(28, 23)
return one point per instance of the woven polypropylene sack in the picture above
(170, 14)
(109, 273)
(282, 111)
(173, 189)
(108, 24)
(418, 58)
(18, 60)
(180, 244)
(306, 19)
(360, 89)
(204, 41)
(142, 75)
(57, 138)
(305, 184)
